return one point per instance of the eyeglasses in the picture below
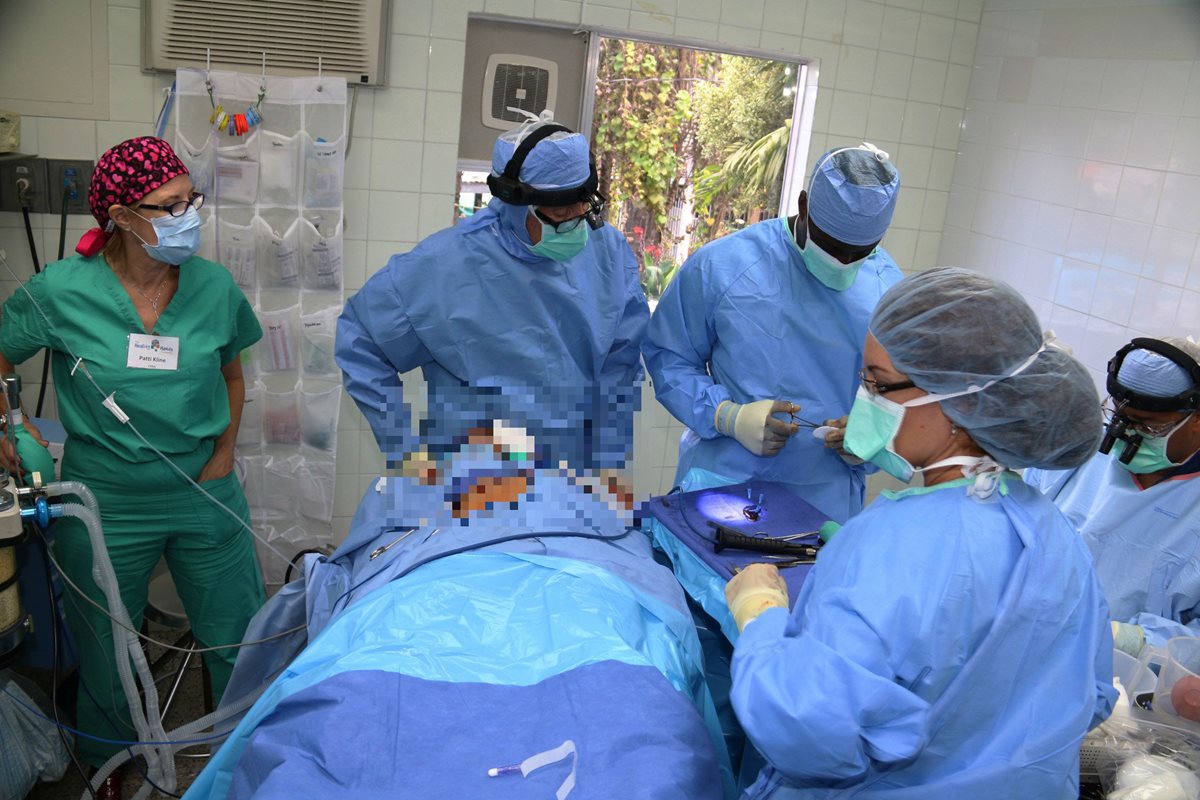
(1147, 429)
(178, 208)
(565, 226)
(875, 387)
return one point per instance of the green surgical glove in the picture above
(1128, 638)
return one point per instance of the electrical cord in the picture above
(123, 742)
(54, 633)
(75, 587)
(287, 574)
(33, 254)
(138, 764)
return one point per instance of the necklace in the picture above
(153, 301)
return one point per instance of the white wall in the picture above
(1078, 177)
(895, 73)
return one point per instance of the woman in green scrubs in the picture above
(160, 331)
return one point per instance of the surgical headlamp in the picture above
(1118, 428)
(509, 187)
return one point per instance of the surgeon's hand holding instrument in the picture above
(754, 590)
(754, 425)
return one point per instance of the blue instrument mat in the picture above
(753, 508)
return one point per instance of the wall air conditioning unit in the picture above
(517, 81)
(349, 36)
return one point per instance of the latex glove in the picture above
(754, 590)
(754, 425)
(8, 455)
(1128, 638)
(834, 437)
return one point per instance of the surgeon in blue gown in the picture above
(952, 640)
(1141, 519)
(530, 311)
(771, 320)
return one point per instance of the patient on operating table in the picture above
(494, 627)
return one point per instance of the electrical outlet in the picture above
(23, 184)
(69, 179)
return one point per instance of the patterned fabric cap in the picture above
(125, 174)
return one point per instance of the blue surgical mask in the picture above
(827, 269)
(1151, 455)
(178, 237)
(560, 246)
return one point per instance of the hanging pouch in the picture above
(319, 404)
(279, 180)
(199, 161)
(238, 252)
(250, 431)
(315, 479)
(280, 487)
(278, 255)
(322, 257)
(318, 333)
(237, 172)
(281, 420)
(277, 350)
(324, 167)
(255, 490)
(208, 237)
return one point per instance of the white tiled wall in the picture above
(1078, 176)
(895, 73)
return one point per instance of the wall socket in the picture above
(69, 179)
(17, 171)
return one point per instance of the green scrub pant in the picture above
(148, 511)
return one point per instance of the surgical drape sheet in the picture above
(419, 684)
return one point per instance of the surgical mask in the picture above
(875, 421)
(560, 246)
(827, 269)
(178, 237)
(871, 434)
(1151, 455)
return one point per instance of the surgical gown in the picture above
(744, 320)
(501, 334)
(944, 647)
(1145, 542)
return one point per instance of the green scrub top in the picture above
(92, 314)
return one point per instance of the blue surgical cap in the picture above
(560, 161)
(853, 193)
(949, 329)
(1147, 372)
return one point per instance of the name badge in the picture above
(153, 352)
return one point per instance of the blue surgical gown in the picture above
(744, 320)
(1145, 542)
(943, 647)
(501, 334)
